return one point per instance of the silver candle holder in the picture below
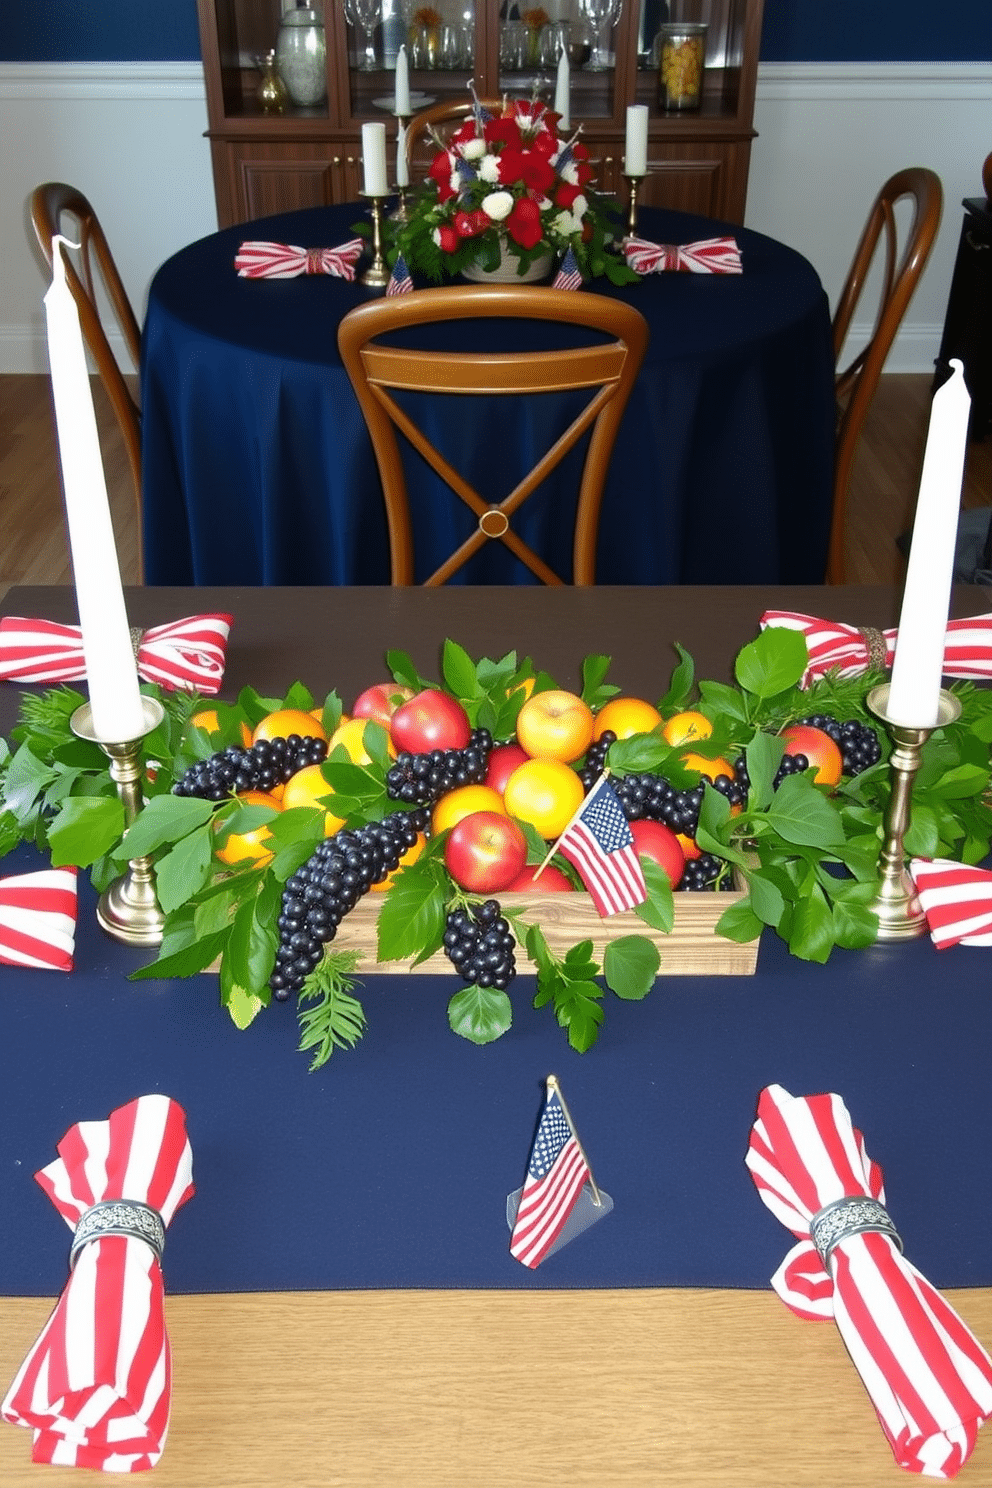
(376, 276)
(897, 904)
(128, 910)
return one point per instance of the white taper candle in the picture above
(562, 90)
(402, 103)
(402, 172)
(374, 159)
(111, 672)
(636, 154)
(918, 664)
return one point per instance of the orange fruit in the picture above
(683, 727)
(624, 716)
(711, 768)
(240, 846)
(352, 735)
(305, 788)
(287, 721)
(555, 725)
(546, 793)
(463, 801)
(410, 856)
(690, 847)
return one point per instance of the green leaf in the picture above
(165, 819)
(188, 961)
(765, 896)
(922, 835)
(658, 909)
(243, 1006)
(577, 1011)
(811, 936)
(480, 1014)
(412, 918)
(183, 871)
(720, 700)
(763, 756)
(630, 966)
(458, 671)
(773, 662)
(84, 829)
(855, 927)
(963, 782)
(24, 780)
(800, 814)
(739, 923)
(680, 687)
(404, 672)
(594, 691)
(338, 1019)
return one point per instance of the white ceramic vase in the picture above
(506, 270)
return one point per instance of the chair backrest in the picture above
(606, 369)
(57, 208)
(444, 113)
(855, 384)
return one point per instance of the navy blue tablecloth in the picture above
(391, 1166)
(258, 468)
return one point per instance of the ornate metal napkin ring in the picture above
(846, 1217)
(876, 646)
(119, 1217)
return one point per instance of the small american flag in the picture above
(399, 280)
(569, 276)
(600, 844)
(555, 1175)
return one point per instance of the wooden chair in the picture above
(443, 113)
(96, 274)
(606, 369)
(855, 385)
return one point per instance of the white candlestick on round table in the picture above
(636, 152)
(402, 171)
(111, 672)
(919, 657)
(374, 159)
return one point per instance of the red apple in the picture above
(380, 702)
(654, 840)
(431, 720)
(502, 762)
(552, 880)
(485, 852)
(818, 747)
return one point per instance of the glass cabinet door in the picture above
(533, 37)
(440, 45)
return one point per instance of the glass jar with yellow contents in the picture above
(682, 56)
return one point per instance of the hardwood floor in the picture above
(35, 549)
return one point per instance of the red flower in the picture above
(524, 223)
(448, 239)
(464, 133)
(467, 224)
(526, 166)
(580, 151)
(440, 168)
(545, 142)
(566, 194)
(584, 173)
(502, 132)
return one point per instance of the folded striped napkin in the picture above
(261, 260)
(968, 652)
(38, 919)
(187, 653)
(956, 899)
(709, 256)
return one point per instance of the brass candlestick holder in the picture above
(376, 276)
(633, 184)
(128, 910)
(897, 905)
(401, 212)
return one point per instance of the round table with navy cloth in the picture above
(390, 1167)
(258, 468)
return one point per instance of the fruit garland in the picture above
(270, 818)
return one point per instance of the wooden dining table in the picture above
(257, 467)
(508, 1385)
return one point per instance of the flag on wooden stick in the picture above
(556, 1174)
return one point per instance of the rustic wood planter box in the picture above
(692, 949)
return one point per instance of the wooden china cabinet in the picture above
(309, 156)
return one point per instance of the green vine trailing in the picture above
(804, 854)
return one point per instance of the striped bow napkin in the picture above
(285, 261)
(38, 919)
(96, 1387)
(186, 653)
(968, 652)
(956, 899)
(929, 1378)
(710, 256)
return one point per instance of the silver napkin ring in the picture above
(119, 1217)
(876, 646)
(845, 1217)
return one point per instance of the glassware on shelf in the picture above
(683, 55)
(365, 15)
(272, 95)
(579, 43)
(301, 56)
(425, 38)
(601, 14)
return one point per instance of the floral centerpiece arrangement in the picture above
(270, 820)
(508, 184)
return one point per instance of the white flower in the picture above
(497, 205)
(570, 173)
(436, 235)
(489, 169)
(474, 149)
(580, 206)
(566, 224)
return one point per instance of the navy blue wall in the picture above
(794, 30)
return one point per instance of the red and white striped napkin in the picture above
(188, 653)
(260, 260)
(956, 899)
(968, 652)
(927, 1375)
(38, 919)
(96, 1388)
(709, 256)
